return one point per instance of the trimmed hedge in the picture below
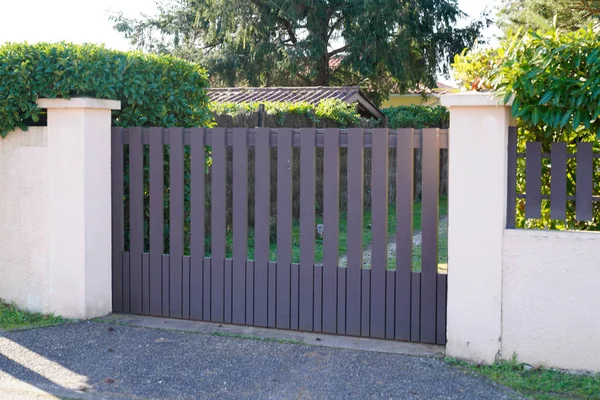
(417, 116)
(153, 90)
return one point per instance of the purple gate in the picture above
(220, 225)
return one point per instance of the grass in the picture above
(367, 238)
(11, 318)
(538, 383)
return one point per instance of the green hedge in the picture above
(554, 77)
(334, 110)
(153, 90)
(417, 116)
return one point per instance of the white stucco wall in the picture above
(477, 170)
(24, 214)
(55, 211)
(551, 298)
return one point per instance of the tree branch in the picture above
(338, 51)
(333, 28)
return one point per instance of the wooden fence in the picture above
(553, 180)
(373, 301)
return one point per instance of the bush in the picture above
(153, 90)
(554, 78)
(334, 111)
(417, 116)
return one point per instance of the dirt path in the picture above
(417, 241)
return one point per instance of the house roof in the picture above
(312, 95)
(441, 88)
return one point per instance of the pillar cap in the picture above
(474, 99)
(80, 102)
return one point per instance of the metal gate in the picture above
(267, 227)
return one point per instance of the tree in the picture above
(570, 14)
(379, 43)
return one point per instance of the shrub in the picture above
(417, 116)
(153, 90)
(554, 78)
(337, 111)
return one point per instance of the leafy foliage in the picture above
(554, 81)
(417, 116)
(340, 112)
(526, 14)
(553, 77)
(380, 44)
(153, 90)
(473, 68)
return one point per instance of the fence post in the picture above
(79, 206)
(261, 116)
(477, 219)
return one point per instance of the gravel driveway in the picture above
(106, 361)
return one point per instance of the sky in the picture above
(87, 20)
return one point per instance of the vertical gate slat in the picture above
(186, 268)
(331, 220)
(558, 182)
(240, 223)
(379, 212)
(176, 216)
(441, 308)
(307, 226)
(249, 292)
(125, 261)
(533, 180)
(511, 204)
(284, 225)
(218, 224)
(145, 283)
(157, 230)
(318, 300)
(365, 329)
(390, 309)
(136, 218)
(429, 229)
(165, 283)
(272, 295)
(227, 290)
(118, 227)
(341, 300)
(404, 230)
(585, 182)
(262, 224)
(415, 305)
(355, 226)
(206, 292)
(294, 296)
(197, 222)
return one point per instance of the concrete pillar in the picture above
(477, 218)
(79, 206)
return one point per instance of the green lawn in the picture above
(343, 237)
(538, 383)
(12, 318)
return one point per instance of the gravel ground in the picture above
(91, 360)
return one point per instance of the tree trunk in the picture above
(322, 78)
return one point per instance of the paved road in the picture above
(91, 360)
